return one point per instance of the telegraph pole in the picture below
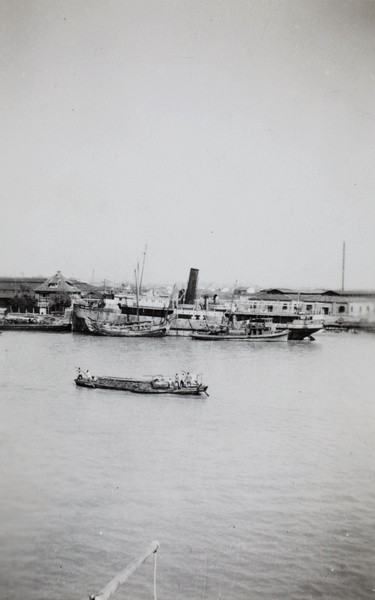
(343, 267)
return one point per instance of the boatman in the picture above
(177, 380)
(182, 379)
(88, 374)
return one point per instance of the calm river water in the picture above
(263, 490)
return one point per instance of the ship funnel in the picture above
(191, 292)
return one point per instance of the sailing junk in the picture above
(138, 329)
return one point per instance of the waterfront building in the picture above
(330, 305)
(56, 285)
(13, 287)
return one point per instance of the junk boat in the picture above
(156, 384)
(133, 329)
(146, 329)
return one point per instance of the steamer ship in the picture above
(186, 313)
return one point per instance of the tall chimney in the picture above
(191, 291)
(343, 267)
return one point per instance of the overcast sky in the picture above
(236, 137)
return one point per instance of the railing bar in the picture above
(121, 577)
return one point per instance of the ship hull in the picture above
(64, 328)
(281, 336)
(299, 334)
(140, 386)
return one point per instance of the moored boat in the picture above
(146, 329)
(54, 328)
(301, 328)
(156, 384)
(34, 322)
(248, 332)
(278, 336)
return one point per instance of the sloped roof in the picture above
(15, 284)
(317, 292)
(299, 292)
(21, 280)
(313, 297)
(263, 295)
(357, 293)
(277, 291)
(98, 292)
(83, 286)
(58, 283)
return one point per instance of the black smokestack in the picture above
(191, 291)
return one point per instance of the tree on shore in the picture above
(24, 301)
(59, 302)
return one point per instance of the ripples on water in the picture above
(265, 489)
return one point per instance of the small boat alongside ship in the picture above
(302, 327)
(253, 331)
(156, 384)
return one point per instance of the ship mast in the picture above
(143, 266)
(136, 272)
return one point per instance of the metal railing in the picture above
(111, 587)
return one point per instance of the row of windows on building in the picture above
(311, 308)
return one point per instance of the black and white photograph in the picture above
(187, 299)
